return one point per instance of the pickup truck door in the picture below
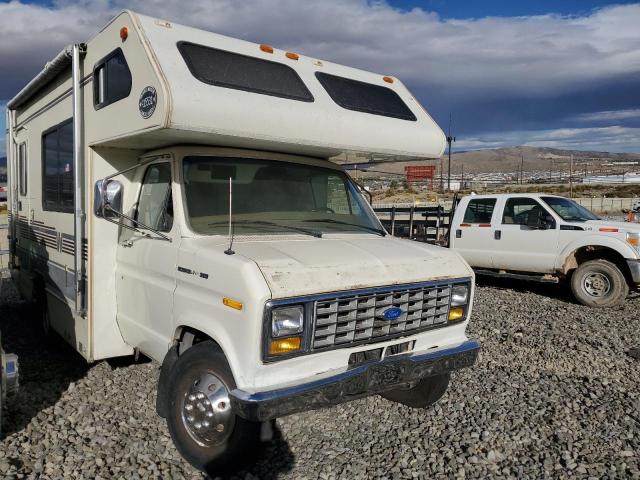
(472, 232)
(146, 266)
(522, 248)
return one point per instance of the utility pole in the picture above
(571, 176)
(450, 140)
(521, 167)
(462, 177)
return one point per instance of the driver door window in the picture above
(155, 206)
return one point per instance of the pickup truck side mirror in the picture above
(107, 199)
(536, 219)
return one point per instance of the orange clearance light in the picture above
(292, 56)
(387, 79)
(284, 345)
(124, 33)
(230, 302)
(266, 48)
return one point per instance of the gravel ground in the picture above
(556, 394)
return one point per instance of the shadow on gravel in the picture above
(274, 459)
(558, 291)
(47, 366)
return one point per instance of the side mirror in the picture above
(536, 220)
(107, 199)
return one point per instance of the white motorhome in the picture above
(172, 192)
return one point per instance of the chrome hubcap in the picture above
(206, 410)
(596, 284)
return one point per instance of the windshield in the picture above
(569, 210)
(272, 197)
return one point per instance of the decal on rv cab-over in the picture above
(148, 101)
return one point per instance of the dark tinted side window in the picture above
(365, 97)
(479, 210)
(111, 79)
(57, 160)
(241, 72)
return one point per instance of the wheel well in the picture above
(184, 338)
(596, 252)
(187, 337)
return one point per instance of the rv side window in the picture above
(111, 80)
(241, 72)
(22, 167)
(57, 168)
(155, 206)
(365, 97)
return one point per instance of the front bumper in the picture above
(357, 382)
(634, 267)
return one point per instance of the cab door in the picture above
(473, 236)
(146, 265)
(521, 247)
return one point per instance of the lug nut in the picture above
(222, 405)
(220, 427)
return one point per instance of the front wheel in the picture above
(202, 424)
(599, 283)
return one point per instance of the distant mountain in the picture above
(505, 160)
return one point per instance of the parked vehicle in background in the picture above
(551, 238)
(172, 192)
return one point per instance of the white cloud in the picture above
(608, 115)
(612, 139)
(533, 55)
(487, 58)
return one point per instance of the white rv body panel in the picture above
(237, 118)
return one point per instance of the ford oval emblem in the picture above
(391, 313)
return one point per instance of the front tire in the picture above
(427, 392)
(599, 283)
(203, 427)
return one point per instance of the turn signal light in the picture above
(285, 345)
(266, 48)
(456, 313)
(124, 33)
(230, 302)
(292, 56)
(387, 79)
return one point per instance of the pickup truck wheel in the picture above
(427, 392)
(599, 283)
(203, 427)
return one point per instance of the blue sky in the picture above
(504, 8)
(563, 74)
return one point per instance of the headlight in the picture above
(633, 239)
(459, 295)
(287, 321)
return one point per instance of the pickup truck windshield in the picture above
(569, 210)
(272, 197)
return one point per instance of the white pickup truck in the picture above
(550, 237)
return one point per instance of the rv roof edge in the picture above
(51, 69)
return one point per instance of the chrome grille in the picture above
(359, 318)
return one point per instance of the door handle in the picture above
(497, 234)
(458, 233)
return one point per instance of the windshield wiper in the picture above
(339, 222)
(313, 233)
